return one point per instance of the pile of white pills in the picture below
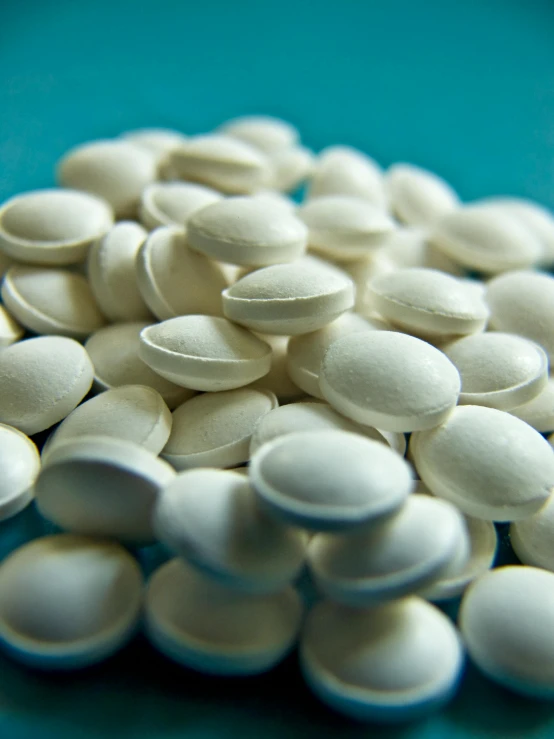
(349, 388)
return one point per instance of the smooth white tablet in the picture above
(52, 301)
(68, 602)
(290, 167)
(487, 462)
(409, 246)
(41, 382)
(506, 622)
(539, 412)
(533, 538)
(342, 170)
(329, 480)
(20, 465)
(101, 486)
(214, 429)
(10, 330)
(172, 203)
(419, 197)
(112, 273)
(52, 226)
(389, 380)
(277, 380)
(212, 519)
(212, 629)
(392, 663)
(498, 370)
(289, 299)
(262, 131)
(158, 141)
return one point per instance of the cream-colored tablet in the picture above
(290, 167)
(498, 370)
(489, 463)
(342, 170)
(10, 330)
(68, 602)
(212, 519)
(329, 480)
(389, 380)
(41, 382)
(419, 197)
(210, 628)
(101, 486)
(20, 465)
(533, 538)
(395, 662)
(175, 280)
(427, 302)
(486, 239)
(214, 429)
(247, 230)
(158, 141)
(222, 162)
(289, 299)
(51, 301)
(114, 352)
(522, 303)
(115, 170)
(277, 380)
(345, 227)
(52, 226)
(172, 203)
(204, 353)
(539, 412)
(112, 273)
(131, 413)
(410, 247)
(265, 132)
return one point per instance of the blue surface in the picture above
(466, 88)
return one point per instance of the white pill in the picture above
(51, 301)
(222, 162)
(112, 273)
(498, 370)
(212, 519)
(41, 382)
(506, 622)
(131, 413)
(214, 429)
(172, 203)
(419, 197)
(533, 538)
(20, 465)
(212, 629)
(389, 380)
(101, 486)
(204, 353)
(428, 302)
(395, 662)
(52, 226)
(342, 170)
(247, 230)
(290, 167)
(264, 132)
(116, 170)
(410, 247)
(10, 330)
(522, 303)
(329, 480)
(114, 352)
(487, 462)
(289, 299)
(486, 239)
(539, 412)
(277, 380)
(158, 141)
(68, 602)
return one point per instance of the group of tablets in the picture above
(272, 390)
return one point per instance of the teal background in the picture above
(465, 88)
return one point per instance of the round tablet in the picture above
(289, 299)
(419, 197)
(212, 519)
(428, 302)
(10, 330)
(20, 465)
(52, 226)
(262, 131)
(116, 170)
(410, 247)
(131, 413)
(506, 621)
(214, 429)
(172, 203)
(102, 486)
(533, 538)
(210, 628)
(344, 227)
(329, 480)
(522, 303)
(386, 664)
(248, 230)
(498, 370)
(389, 380)
(68, 602)
(277, 380)
(342, 170)
(112, 273)
(489, 463)
(204, 353)
(41, 382)
(290, 167)
(539, 412)
(51, 301)
(158, 141)
(114, 352)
